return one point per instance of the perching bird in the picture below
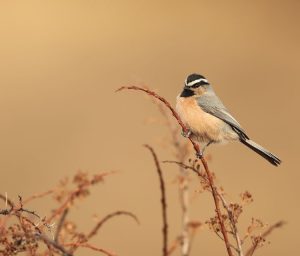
(209, 121)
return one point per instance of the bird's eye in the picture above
(196, 85)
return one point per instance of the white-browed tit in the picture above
(209, 121)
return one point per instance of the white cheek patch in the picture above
(195, 82)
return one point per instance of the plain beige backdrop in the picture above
(60, 62)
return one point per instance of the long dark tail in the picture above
(261, 151)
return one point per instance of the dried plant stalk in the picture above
(198, 153)
(183, 188)
(95, 230)
(252, 249)
(20, 233)
(163, 201)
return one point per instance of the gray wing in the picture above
(211, 104)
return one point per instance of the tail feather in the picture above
(261, 151)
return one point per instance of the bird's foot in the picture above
(199, 154)
(186, 133)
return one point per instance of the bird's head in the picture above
(194, 81)
(195, 84)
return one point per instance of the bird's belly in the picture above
(204, 126)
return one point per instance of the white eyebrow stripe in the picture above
(195, 82)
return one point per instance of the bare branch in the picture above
(198, 153)
(185, 167)
(52, 243)
(7, 200)
(252, 249)
(27, 200)
(94, 248)
(60, 224)
(183, 186)
(94, 231)
(163, 200)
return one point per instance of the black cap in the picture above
(195, 80)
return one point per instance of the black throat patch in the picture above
(187, 93)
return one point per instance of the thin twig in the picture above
(38, 196)
(233, 225)
(174, 245)
(7, 200)
(60, 224)
(185, 167)
(217, 204)
(163, 201)
(218, 235)
(52, 243)
(86, 245)
(278, 224)
(21, 209)
(73, 195)
(94, 231)
(225, 205)
(183, 187)
(251, 251)
(184, 203)
(192, 228)
(198, 153)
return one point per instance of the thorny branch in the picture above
(26, 236)
(17, 211)
(163, 201)
(198, 153)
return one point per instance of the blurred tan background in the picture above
(60, 62)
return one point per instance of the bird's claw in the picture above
(199, 154)
(186, 133)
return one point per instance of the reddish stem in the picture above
(163, 201)
(198, 153)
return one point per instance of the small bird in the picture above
(209, 121)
